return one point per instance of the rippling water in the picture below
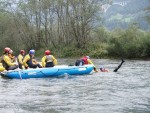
(127, 91)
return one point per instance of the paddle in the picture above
(122, 61)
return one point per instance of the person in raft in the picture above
(48, 60)
(20, 58)
(11, 56)
(29, 61)
(85, 60)
(102, 69)
(7, 62)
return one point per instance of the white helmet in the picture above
(88, 57)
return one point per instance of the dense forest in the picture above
(67, 28)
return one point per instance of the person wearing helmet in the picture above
(2, 68)
(11, 55)
(102, 69)
(48, 60)
(7, 61)
(20, 58)
(29, 61)
(85, 61)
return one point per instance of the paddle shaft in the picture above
(115, 70)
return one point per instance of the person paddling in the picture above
(102, 69)
(84, 61)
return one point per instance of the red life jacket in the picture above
(85, 60)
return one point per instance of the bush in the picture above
(129, 44)
(98, 50)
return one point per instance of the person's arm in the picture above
(43, 61)
(54, 60)
(90, 62)
(20, 59)
(8, 61)
(27, 57)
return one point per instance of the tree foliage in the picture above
(66, 26)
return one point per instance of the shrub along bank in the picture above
(129, 43)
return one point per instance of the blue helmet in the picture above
(32, 51)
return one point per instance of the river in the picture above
(126, 91)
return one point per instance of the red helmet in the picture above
(6, 50)
(22, 51)
(47, 52)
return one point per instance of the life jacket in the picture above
(18, 58)
(85, 60)
(49, 58)
(29, 62)
(5, 65)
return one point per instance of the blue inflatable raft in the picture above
(48, 72)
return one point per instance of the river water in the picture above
(126, 91)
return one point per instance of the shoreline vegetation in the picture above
(132, 43)
(69, 29)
